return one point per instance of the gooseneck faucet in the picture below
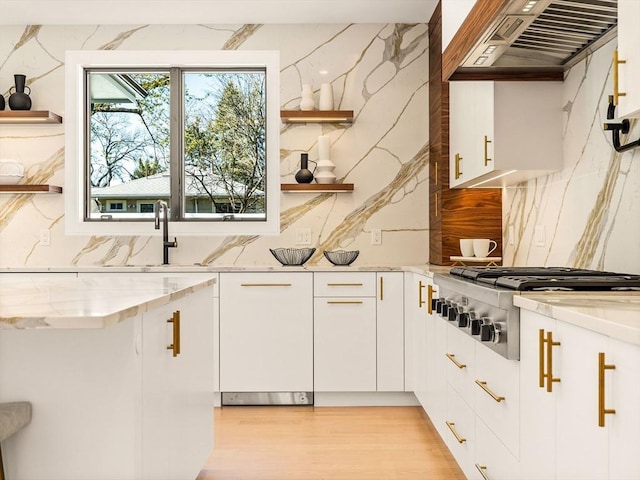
(166, 244)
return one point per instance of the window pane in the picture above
(224, 145)
(128, 142)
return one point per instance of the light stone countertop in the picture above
(615, 314)
(87, 302)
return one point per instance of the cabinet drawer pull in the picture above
(458, 172)
(481, 469)
(381, 288)
(344, 284)
(549, 374)
(486, 156)
(616, 92)
(175, 346)
(455, 434)
(541, 343)
(265, 284)
(344, 302)
(451, 357)
(602, 410)
(430, 291)
(420, 300)
(483, 385)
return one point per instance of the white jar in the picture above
(306, 100)
(326, 97)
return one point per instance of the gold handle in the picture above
(175, 346)
(481, 469)
(541, 343)
(452, 357)
(265, 284)
(429, 298)
(381, 288)
(616, 62)
(458, 172)
(344, 302)
(486, 157)
(549, 374)
(455, 434)
(344, 284)
(420, 300)
(436, 207)
(435, 174)
(602, 411)
(483, 385)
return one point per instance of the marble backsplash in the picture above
(379, 71)
(588, 214)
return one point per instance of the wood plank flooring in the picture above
(327, 443)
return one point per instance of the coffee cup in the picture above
(482, 247)
(466, 247)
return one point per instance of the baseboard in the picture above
(364, 399)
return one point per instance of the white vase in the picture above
(326, 97)
(324, 172)
(306, 101)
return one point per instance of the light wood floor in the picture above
(327, 443)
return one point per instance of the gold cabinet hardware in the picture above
(435, 174)
(458, 172)
(602, 411)
(541, 343)
(175, 346)
(429, 298)
(381, 288)
(344, 284)
(420, 300)
(550, 344)
(616, 92)
(265, 284)
(455, 434)
(483, 385)
(344, 302)
(486, 155)
(481, 469)
(436, 207)
(452, 357)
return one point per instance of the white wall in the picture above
(379, 71)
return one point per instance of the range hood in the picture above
(544, 34)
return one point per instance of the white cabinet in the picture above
(564, 440)
(177, 390)
(494, 137)
(390, 332)
(629, 71)
(266, 332)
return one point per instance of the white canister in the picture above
(306, 100)
(326, 97)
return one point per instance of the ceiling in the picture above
(185, 12)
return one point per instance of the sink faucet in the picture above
(166, 244)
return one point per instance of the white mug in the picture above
(482, 247)
(466, 247)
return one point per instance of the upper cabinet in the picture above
(628, 65)
(503, 133)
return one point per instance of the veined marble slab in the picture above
(94, 302)
(616, 315)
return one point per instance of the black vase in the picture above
(19, 100)
(304, 175)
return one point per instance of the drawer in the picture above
(344, 284)
(497, 396)
(459, 361)
(459, 431)
(493, 459)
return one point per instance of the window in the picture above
(198, 130)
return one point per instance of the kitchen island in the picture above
(119, 372)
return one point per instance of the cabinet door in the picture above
(390, 332)
(484, 135)
(344, 344)
(581, 445)
(629, 72)
(436, 385)
(177, 390)
(461, 131)
(416, 303)
(624, 427)
(537, 406)
(266, 332)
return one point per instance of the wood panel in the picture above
(506, 74)
(480, 17)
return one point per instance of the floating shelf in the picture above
(316, 187)
(30, 189)
(29, 116)
(316, 116)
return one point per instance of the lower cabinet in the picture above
(266, 332)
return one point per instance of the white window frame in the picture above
(75, 170)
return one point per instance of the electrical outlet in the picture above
(512, 235)
(539, 236)
(376, 236)
(303, 236)
(45, 237)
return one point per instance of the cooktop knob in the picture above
(475, 325)
(434, 304)
(499, 332)
(439, 303)
(463, 319)
(444, 310)
(487, 332)
(454, 312)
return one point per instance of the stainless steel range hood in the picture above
(544, 33)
